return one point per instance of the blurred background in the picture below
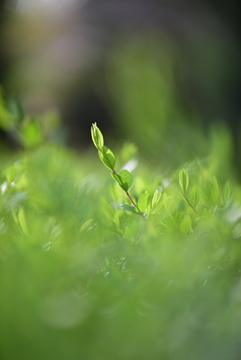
(158, 73)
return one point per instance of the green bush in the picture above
(82, 278)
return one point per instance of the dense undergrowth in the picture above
(81, 278)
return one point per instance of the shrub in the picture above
(85, 277)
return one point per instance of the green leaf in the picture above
(128, 208)
(226, 192)
(216, 188)
(183, 180)
(11, 174)
(186, 225)
(126, 175)
(15, 216)
(107, 157)
(143, 202)
(31, 134)
(194, 197)
(156, 198)
(22, 221)
(97, 137)
(123, 184)
(15, 107)
(85, 226)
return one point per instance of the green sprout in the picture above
(124, 178)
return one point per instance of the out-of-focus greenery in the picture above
(82, 279)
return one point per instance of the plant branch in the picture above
(131, 199)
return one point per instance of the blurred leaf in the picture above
(15, 107)
(156, 198)
(183, 180)
(128, 208)
(85, 226)
(11, 174)
(226, 193)
(186, 225)
(216, 188)
(31, 134)
(22, 221)
(194, 197)
(128, 152)
(143, 202)
(15, 216)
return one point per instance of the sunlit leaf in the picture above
(86, 226)
(126, 175)
(11, 174)
(107, 157)
(97, 137)
(143, 202)
(156, 198)
(226, 192)
(186, 225)
(183, 180)
(121, 181)
(31, 134)
(194, 197)
(22, 221)
(216, 188)
(128, 208)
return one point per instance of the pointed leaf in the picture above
(128, 208)
(216, 187)
(186, 225)
(226, 192)
(107, 157)
(183, 180)
(11, 173)
(156, 198)
(22, 221)
(126, 175)
(143, 202)
(97, 137)
(194, 197)
(123, 184)
(85, 226)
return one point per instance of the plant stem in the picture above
(130, 199)
(190, 204)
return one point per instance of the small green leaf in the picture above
(186, 225)
(216, 188)
(22, 221)
(97, 137)
(123, 184)
(156, 198)
(85, 226)
(226, 192)
(31, 134)
(107, 157)
(143, 202)
(194, 197)
(183, 180)
(11, 174)
(126, 175)
(15, 107)
(15, 216)
(128, 208)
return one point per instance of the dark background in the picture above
(204, 34)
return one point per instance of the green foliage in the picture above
(81, 278)
(28, 132)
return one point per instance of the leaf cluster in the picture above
(77, 270)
